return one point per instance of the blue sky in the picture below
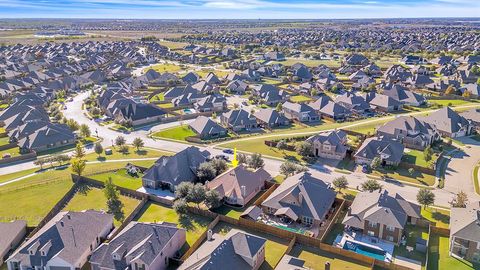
(238, 9)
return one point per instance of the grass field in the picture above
(179, 133)
(120, 178)
(204, 72)
(300, 98)
(417, 157)
(439, 216)
(13, 152)
(449, 102)
(165, 67)
(173, 45)
(194, 224)
(131, 154)
(402, 174)
(11, 176)
(158, 97)
(439, 259)
(476, 182)
(4, 140)
(274, 248)
(308, 62)
(316, 259)
(95, 199)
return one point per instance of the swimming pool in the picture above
(300, 231)
(365, 250)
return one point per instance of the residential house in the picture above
(335, 111)
(378, 214)
(239, 120)
(213, 102)
(385, 103)
(354, 102)
(47, 137)
(65, 242)
(389, 151)
(413, 60)
(300, 112)
(140, 246)
(270, 94)
(11, 235)
(330, 144)
(238, 185)
(412, 132)
(449, 123)
(270, 118)
(472, 88)
(206, 128)
(465, 232)
(238, 87)
(472, 115)
(406, 97)
(237, 250)
(169, 171)
(301, 198)
(274, 56)
(301, 72)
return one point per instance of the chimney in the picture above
(68, 216)
(244, 191)
(209, 235)
(61, 223)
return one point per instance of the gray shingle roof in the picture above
(465, 222)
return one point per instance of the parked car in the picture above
(228, 151)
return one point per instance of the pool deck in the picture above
(366, 240)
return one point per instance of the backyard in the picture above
(194, 224)
(412, 233)
(120, 178)
(439, 258)
(274, 250)
(441, 217)
(417, 157)
(94, 198)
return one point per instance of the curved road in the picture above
(459, 173)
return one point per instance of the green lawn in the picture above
(316, 259)
(179, 133)
(417, 158)
(11, 176)
(158, 97)
(168, 105)
(120, 178)
(131, 154)
(4, 140)
(204, 72)
(173, 45)
(274, 248)
(449, 102)
(439, 259)
(300, 98)
(95, 199)
(475, 179)
(13, 152)
(440, 216)
(194, 224)
(402, 174)
(412, 233)
(166, 67)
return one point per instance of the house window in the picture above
(371, 233)
(390, 228)
(390, 238)
(372, 224)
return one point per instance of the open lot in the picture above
(194, 224)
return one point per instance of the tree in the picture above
(138, 143)
(182, 190)
(371, 185)
(376, 163)
(425, 197)
(114, 204)
(40, 162)
(256, 161)
(340, 183)
(450, 90)
(119, 141)
(219, 165)
(282, 145)
(78, 166)
(460, 200)
(427, 153)
(79, 151)
(72, 124)
(180, 206)
(288, 168)
(197, 194)
(85, 131)
(98, 148)
(212, 199)
(304, 149)
(242, 158)
(123, 149)
(206, 172)
(61, 158)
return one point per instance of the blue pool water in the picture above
(300, 231)
(365, 250)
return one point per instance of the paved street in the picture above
(459, 173)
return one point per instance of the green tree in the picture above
(460, 200)
(219, 165)
(123, 149)
(78, 166)
(183, 189)
(213, 199)
(114, 204)
(138, 143)
(197, 194)
(85, 131)
(376, 163)
(288, 168)
(256, 161)
(98, 148)
(120, 140)
(282, 145)
(206, 172)
(427, 153)
(340, 183)
(79, 151)
(304, 149)
(242, 158)
(180, 206)
(425, 197)
(72, 124)
(371, 185)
